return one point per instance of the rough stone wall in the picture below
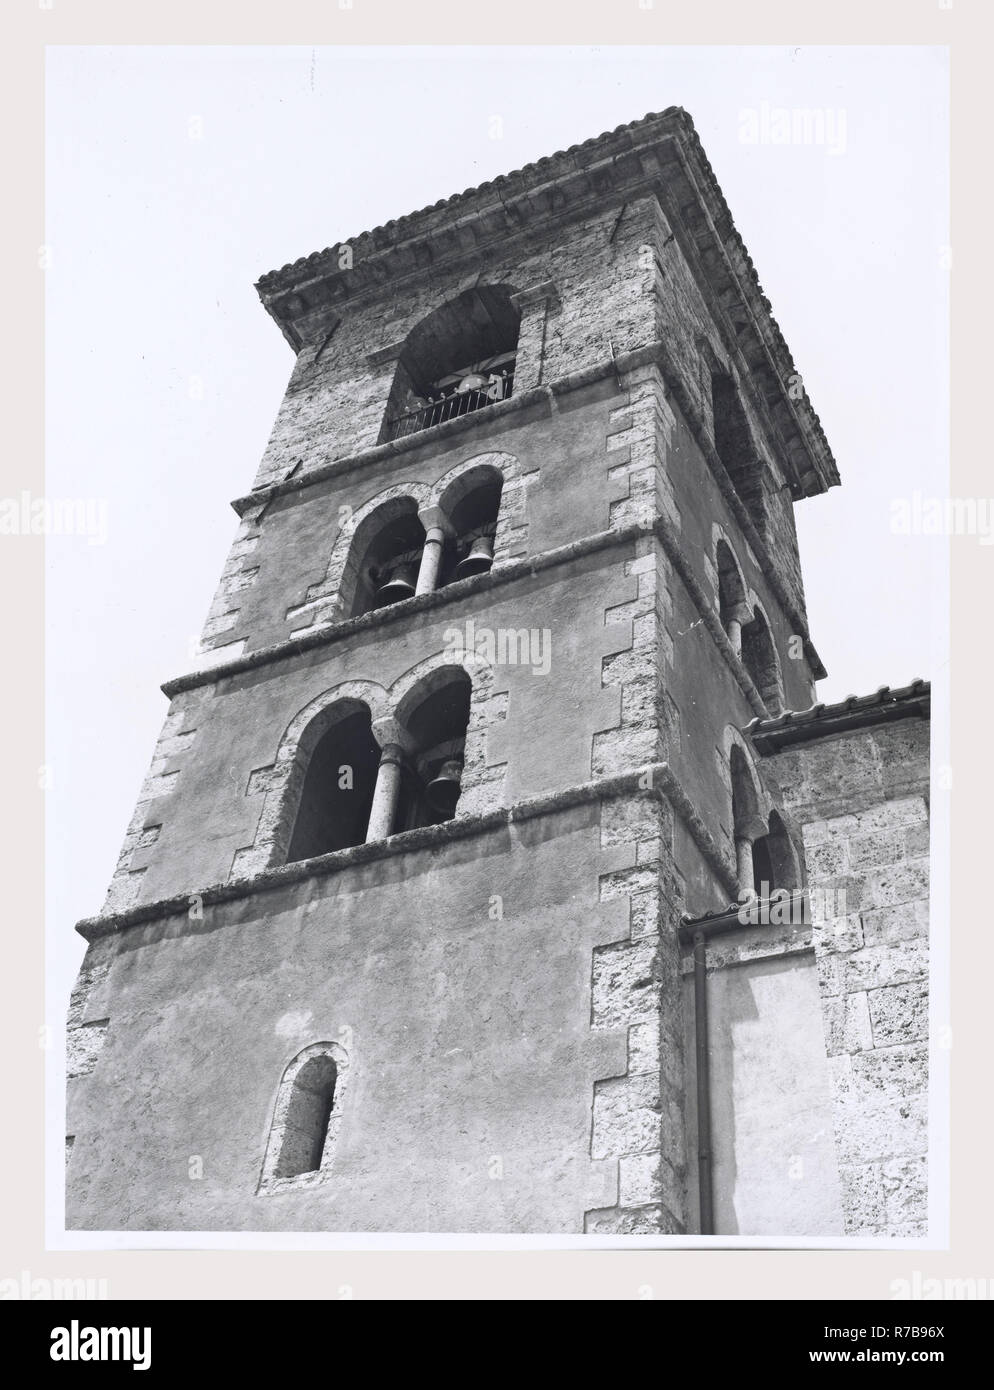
(697, 336)
(240, 571)
(86, 1029)
(336, 398)
(637, 738)
(680, 701)
(613, 282)
(780, 532)
(704, 516)
(638, 1116)
(862, 799)
(145, 826)
(638, 443)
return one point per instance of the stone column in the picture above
(739, 618)
(743, 868)
(437, 530)
(395, 742)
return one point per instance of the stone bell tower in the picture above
(394, 942)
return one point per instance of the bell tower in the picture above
(394, 941)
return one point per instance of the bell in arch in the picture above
(399, 583)
(479, 560)
(442, 791)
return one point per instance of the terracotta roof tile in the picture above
(855, 711)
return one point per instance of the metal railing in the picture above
(451, 407)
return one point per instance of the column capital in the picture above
(741, 613)
(389, 731)
(752, 829)
(434, 519)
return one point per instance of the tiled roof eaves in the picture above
(639, 135)
(519, 181)
(746, 276)
(855, 712)
(741, 916)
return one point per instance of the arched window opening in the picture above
(762, 867)
(457, 360)
(306, 1118)
(432, 774)
(388, 557)
(745, 802)
(308, 1114)
(733, 441)
(759, 656)
(774, 860)
(473, 519)
(338, 783)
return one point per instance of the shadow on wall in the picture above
(775, 1170)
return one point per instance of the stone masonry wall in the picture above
(862, 799)
(336, 397)
(638, 1116)
(609, 283)
(696, 339)
(146, 822)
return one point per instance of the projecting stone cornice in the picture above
(545, 395)
(465, 221)
(660, 155)
(510, 572)
(655, 780)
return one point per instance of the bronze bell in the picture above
(479, 560)
(442, 792)
(400, 584)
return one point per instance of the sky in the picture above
(177, 176)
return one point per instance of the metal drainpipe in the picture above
(705, 1194)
